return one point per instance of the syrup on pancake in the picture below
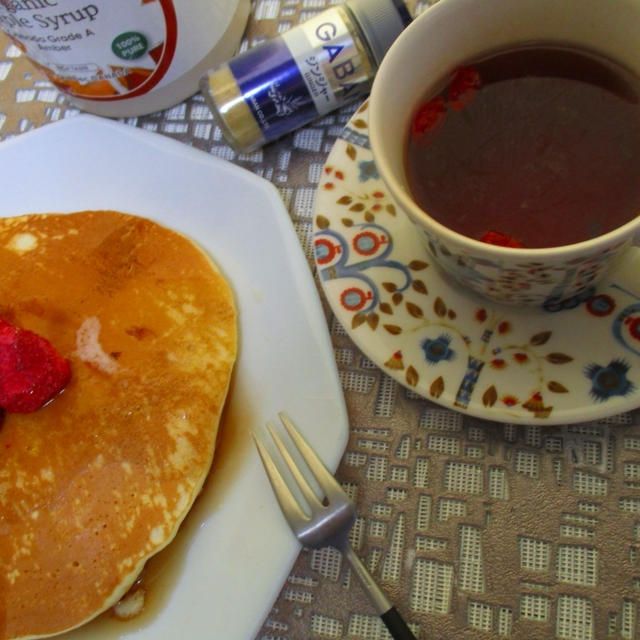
(99, 479)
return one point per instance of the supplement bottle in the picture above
(125, 57)
(310, 70)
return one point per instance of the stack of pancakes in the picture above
(99, 479)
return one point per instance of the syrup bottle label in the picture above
(96, 50)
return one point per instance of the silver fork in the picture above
(327, 519)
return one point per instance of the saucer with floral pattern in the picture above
(576, 363)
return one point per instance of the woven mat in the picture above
(475, 529)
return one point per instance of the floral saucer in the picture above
(510, 364)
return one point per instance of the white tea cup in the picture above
(449, 34)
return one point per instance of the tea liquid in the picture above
(540, 144)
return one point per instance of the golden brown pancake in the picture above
(99, 479)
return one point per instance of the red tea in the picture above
(533, 147)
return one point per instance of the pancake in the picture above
(100, 478)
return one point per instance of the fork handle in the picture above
(397, 626)
(388, 613)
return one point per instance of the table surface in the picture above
(547, 545)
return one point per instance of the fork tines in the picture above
(321, 505)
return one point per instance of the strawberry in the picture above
(32, 372)
(501, 239)
(463, 87)
(429, 118)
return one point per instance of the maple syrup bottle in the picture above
(120, 58)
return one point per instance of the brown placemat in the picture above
(474, 529)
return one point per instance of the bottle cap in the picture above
(381, 20)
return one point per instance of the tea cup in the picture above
(438, 41)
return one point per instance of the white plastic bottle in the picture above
(125, 57)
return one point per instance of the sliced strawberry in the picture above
(429, 117)
(501, 239)
(463, 87)
(32, 372)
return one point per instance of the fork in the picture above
(327, 519)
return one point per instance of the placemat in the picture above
(474, 529)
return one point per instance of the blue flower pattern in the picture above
(438, 349)
(609, 381)
(368, 170)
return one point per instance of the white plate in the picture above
(514, 365)
(235, 550)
